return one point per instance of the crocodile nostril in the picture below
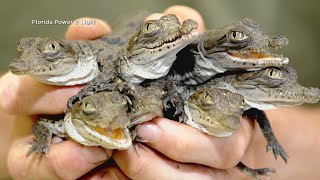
(278, 41)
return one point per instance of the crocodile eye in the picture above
(237, 36)
(88, 108)
(273, 73)
(207, 99)
(51, 47)
(150, 28)
(206, 96)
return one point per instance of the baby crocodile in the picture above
(148, 54)
(241, 45)
(64, 62)
(99, 119)
(216, 107)
(217, 112)
(104, 119)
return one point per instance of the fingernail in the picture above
(56, 140)
(94, 154)
(149, 132)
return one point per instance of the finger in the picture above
(107, 173)
(66, 160)
(78, 30)
(184, 13)
(184, 143)
(24, 95)
(152, 165)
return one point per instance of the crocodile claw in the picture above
(39, 148)
(166, 103)
(277, 150)
(183, 118)
(74, 99)
(257, 173)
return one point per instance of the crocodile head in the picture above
(242, 45)
(102, 118)
(54, 61)
(147, 105)
(151, 52)
(215, 111)
(270, 87)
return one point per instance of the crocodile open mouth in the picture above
(118, 138)
(80, 131)
(256, 55)
(116, 134)
(255, 59)
(250, 54)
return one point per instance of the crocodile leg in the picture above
(43, 130)
(266, 129)
(255, 172)
(174, 97)
(96, 85)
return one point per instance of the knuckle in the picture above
(180, 151)
(231, 152)
(137, 171)
(57, 166)
(141, 166)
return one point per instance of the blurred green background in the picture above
(298, 20)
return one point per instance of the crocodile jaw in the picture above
(156, 62)
(74, 134)
(217, 132)
(231, 61)
(82, 73)
(95, 136)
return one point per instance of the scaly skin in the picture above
(218, 112)
(149, 54)
(147, 103)
(241, 45)
(98, 120)
(64, 62)
(268, 88)
(103, 119)
(262, 89)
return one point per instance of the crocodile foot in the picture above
(267, 131)
(277, 150)
(257, 173)
(43, 130)
(39, 148)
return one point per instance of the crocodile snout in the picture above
(278, 41)
(18, 67)
(312, 95)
